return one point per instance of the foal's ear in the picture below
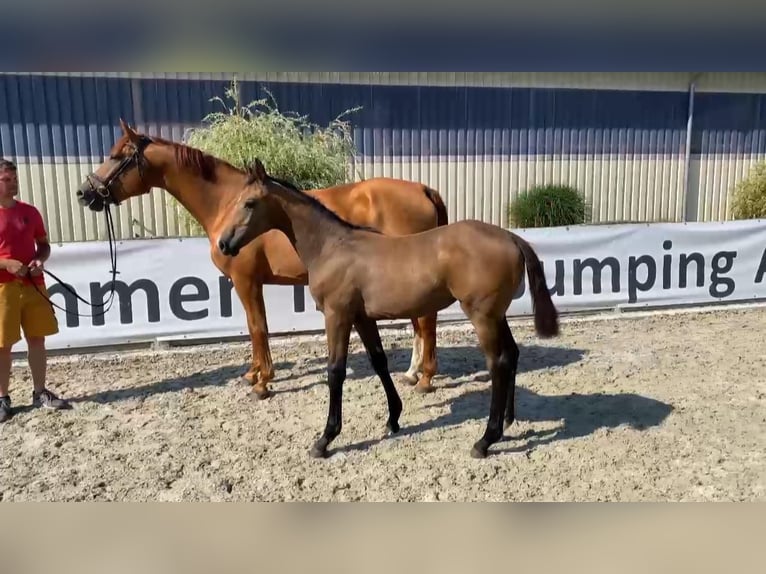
(128, 131)
(257, 171)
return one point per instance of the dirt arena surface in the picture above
(659, 407)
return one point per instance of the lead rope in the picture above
(113, 260)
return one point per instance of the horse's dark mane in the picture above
(203, 164)
(318, 205)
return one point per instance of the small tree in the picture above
(548, 206)
(749, 197)
(290, 146)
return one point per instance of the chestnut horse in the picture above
(206, 186)
(358, 276)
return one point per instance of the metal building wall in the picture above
(748, 82)
(477, 138)
(729, 139)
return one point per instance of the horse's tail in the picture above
(546, 316)
(441, 209)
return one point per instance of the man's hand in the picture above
(15, 267)
(35, 268)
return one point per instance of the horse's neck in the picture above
(203, 199)
(309, 231)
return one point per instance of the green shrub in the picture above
(290, 146)
(548, 206)
(749, 197)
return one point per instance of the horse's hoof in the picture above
(245, 382)
(409, 380)
(478, 451)
(392, 428)
(507, 424)
(260, 394)
(424, 389)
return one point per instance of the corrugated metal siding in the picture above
(706, 81)
(729, 139)
(474, 139)
(482, 147)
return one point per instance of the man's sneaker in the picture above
(48, 400)
(6, 411)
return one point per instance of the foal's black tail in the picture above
(546, 316)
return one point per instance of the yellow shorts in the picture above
(22, 307)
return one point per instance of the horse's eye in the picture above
(251, 203)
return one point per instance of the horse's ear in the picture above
(257, 171)
(128, 131)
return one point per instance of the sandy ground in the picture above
(665, 407)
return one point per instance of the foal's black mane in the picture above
(318, 205)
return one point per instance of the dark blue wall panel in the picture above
(47, 117)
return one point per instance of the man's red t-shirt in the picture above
(20, 226)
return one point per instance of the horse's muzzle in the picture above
(87, 197)
(228, 248)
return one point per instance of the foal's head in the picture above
(250, 213)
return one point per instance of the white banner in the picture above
(170, 289)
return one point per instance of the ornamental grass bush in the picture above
(548, 206)
(290, 146)
(749, 196)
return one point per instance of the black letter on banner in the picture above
(633, 283)
(299, 299)
(596, 267)
(558, 282)
(225, 285)
(683, 269)
(521, 288)
(761, 268)
(668, 259)
(125, 292)
(177, 298)
(70, 304)
(715, 277)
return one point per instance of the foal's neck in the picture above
(309, 230)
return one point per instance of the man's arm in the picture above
(43, 249)
(43, 252)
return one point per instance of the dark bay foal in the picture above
(358, 276)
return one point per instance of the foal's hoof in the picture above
(479, 451)
(424, 389)
(318, 452)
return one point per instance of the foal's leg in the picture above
(512, 350)
(498, 363)
(338, 329)
(368, 332)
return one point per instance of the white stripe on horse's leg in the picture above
(416, 363)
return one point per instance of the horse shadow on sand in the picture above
(454, 363)
(577, 415)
